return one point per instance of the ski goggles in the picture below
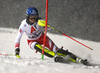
(33, 17)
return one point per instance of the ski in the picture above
(60, 59)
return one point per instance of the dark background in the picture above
(76, 18)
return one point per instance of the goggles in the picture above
(31, 17)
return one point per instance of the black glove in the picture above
(17, 51)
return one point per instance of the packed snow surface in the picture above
(30, 62)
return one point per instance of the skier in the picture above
(35, 37)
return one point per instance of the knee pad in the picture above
(47, 52)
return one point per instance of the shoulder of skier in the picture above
(23, 24)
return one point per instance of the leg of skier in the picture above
(50, 49)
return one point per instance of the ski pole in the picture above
(70, 37)
(46, 18)
(42, 23)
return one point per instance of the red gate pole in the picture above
(46, 18)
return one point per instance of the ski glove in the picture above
(42, 23)
(17, 52)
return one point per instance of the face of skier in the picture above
(33, 18)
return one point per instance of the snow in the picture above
(31, 62)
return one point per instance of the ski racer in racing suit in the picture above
(35, 37)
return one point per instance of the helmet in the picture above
(32, 11)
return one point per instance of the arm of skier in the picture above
(17, 41)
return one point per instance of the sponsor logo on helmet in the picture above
(34, 12)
